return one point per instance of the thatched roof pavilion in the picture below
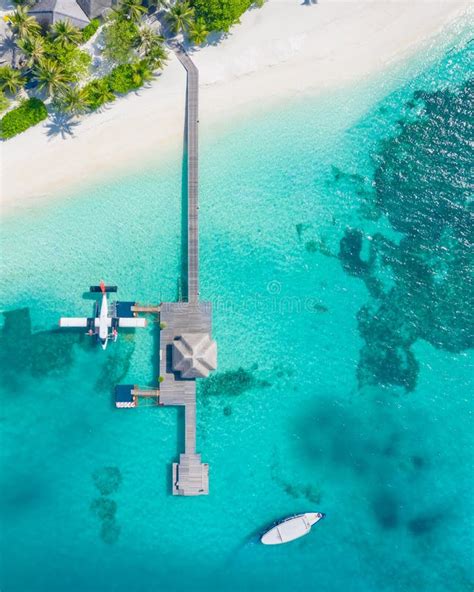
(194, 355)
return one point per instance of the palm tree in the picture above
(71, 100)
(11, 79)
(51, 76)
(157, 56)
(141, 73)
(131, 10)
(32, 48)
(198, 31)
(180, 16)
(97, 93)
(64, 33)
(148, 40)
(22, 24)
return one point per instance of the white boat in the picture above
(291, 528)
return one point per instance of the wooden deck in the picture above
(190, 475)
(192, 138)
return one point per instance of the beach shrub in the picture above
(127, 77)
(97, 93)
(121, 79)
(220, 15)
(28, 113)
(120, 38)
(74, 61)
(90, 30)
(3, 102)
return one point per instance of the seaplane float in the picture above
(291, 528)
(107, 319)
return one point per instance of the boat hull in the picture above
(291, 528)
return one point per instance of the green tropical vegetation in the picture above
(71, 100)
(148, 40)
(28, 113)
(65, 34)
(32, 49)
(11, 80)
(51, 76)
(90, 30)
(22, 24)
(74, 61)
(52, 63)
(180, 17)
(4, 102)
(97, 93)
(198, 31)
(131, 10)
(120, 36)
(127, 77)
(220, 15)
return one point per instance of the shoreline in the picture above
(323, 47)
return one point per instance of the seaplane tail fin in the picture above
(102, 288)
(73, 322)
(129, 322)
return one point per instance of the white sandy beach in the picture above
(279, 51)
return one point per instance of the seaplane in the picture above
(107, 318)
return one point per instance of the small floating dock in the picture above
(128, 395)
(146, 308)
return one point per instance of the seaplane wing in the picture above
(128, 322)
(73, 322)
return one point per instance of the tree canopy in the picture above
(220, 15)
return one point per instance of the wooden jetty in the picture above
(187, 351)
(187, 320)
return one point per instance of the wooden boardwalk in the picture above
(192, 149)
(185, 326)
(190, 475)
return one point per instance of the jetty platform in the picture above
(187, 351)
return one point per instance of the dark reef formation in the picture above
(117, 364)
(311, 493)
(422, 287)
(107, 480)
(232, 382)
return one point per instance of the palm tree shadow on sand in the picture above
(8, 50)
(60, 124)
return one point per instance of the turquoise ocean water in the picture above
(335, 237)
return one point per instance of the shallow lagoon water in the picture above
(287, 424)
